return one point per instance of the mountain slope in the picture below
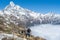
(20, 16)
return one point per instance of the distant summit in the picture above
(11, 3)
(21, 16)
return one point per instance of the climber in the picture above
(28, 32)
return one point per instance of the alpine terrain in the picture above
(14, 17)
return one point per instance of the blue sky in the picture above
(42, 6)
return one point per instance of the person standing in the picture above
(28, 32)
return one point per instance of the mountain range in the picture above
(19, 16)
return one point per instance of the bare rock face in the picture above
(39, 38)
(35, 38)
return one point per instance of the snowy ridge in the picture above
(18, 15)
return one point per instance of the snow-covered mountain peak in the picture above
(17, 14)
(18, 10)
(11, 3)
(13, 9)
(12, 6)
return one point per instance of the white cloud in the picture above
(50, 32)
